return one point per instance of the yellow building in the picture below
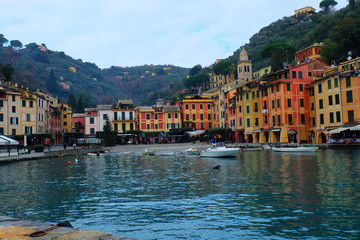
(28, 113)
(124, 116)
(66, 117)
(172, 117)
(305, 11)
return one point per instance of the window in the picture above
(209, 116)
(13, 98)
(201, 116)
(176, 115)
(349, 97)
(247, 95)
(273, 120)
(265, 105)
(105, 116)
(247, 109)
(193, 106)
(256, 108)
(123, 116)
(1, 117)
(202, 125)
(338, 116)
(1, 130)
(23, 103)
(301, 87)
(186, 106)
(65, 123)
(302, 118)
(147, 126)
(248, 122)
(131, 126)
(290, 119)
(321, 104)
(194, 116)
(131, 116)
(289, 103)
(302, 104)
(169, 115)
(201, 106)
(13, 132)
(266, 119)
(331, 117)
(293, 74)
(311, 92)
(330, 100)
(148, 116)
(28, 130)
(277, 88)
(92, 121)
(273, 104)
(320, 88)
(348, 82)
(288, 87)
(187, 117)
(1, 103)
(156, 126)
(92, 130)
(337, 99)
(115, 116)
(321, 118)
(300, 74)
(116, 127)
(256, 121)
(14, 120)
(13, 109)
(279, 119)
(208, 106)
(329, 83)
(351, 116)
(28, 117)
(278, 103)
(336, 83)
(156, 116)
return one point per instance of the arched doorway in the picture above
(322, 138)
(292, 136)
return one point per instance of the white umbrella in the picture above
(25, 141)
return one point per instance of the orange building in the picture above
(196, 112)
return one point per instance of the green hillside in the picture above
(33, 64)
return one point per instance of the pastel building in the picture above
(91, 122)
(124, 116)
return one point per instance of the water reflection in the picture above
(262, 195)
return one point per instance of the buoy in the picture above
(68, 163)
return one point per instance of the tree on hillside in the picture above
(7, 71)
(80, 105)
(196, 81)
(16, 44)
(72, 101)
(280, 53)
(224, 68)
(352, 3)
(327, 5)
(3, 40)
(51, 83)
(195, 70)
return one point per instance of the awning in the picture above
(7, 141)
(275, 130)
(195, 133)
(338, 130)
(355, 128)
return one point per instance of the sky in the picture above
(136, 32)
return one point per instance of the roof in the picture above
(172, 108)
(145, 108)
(129, 102)
(104, 107)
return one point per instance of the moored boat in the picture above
(295, 149)
(167, 153)
(192, 151)
(220, 152)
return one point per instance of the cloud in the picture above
(128, 33)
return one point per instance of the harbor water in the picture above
(259, 195)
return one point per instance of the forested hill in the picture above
(277, 42)
(54, 72)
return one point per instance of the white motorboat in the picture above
(220, 152)
(295, 149)
(148, 153)
(267, 147)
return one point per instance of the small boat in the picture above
(99, 153)
(267, 147)
(167, 153)
(295, 149)
(251, 149)
(192, 151)
(148, 153)
(220, 152)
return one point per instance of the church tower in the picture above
(244, 66)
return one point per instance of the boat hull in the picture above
(295, 149)
(220, 153)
